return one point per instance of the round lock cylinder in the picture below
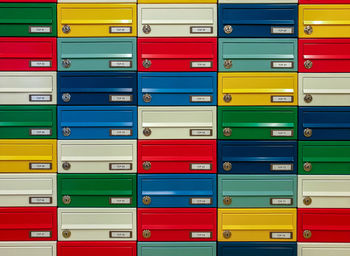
(307, 166)
(227, 98)
(146, 63)
(66, 131)
(66, 97)
(66, 166)
(307, 132)
(227, 200)
(227, 132)
(66, 29)
(66, 233)
(147, 132)
(147, 98)
(66, 63)
(226, 234)
(146, 165)
(66, 199)
(228, 29)
(146, 233)
(228, 64)
(307, 200)
(307, 234)
(227, 166)
(308, 30)
(146, 29)
(308, 64)
(146, 200)
(308, 98)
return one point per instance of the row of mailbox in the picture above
(174, 224)
(175, 190)
(175, 88)
(174, 20)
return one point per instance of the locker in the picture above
(257, 191)
(96, 190)
(28, 19)
(177, 88)
(28, 54)
(257, 157)
(28, 248)
(96, 19)
(257, 248)
(176, 224)
(324, 21)
(323, 249)
(96, 248)
(97, 122)
(177, 20)
(254, 89)
(28, 224)
(257, 123)
(323, 225)
(176, 248)
(28, 88)
(97, 156)
(177, 156)
(258, 20)
(177, 122)
(96, 224)
(258, 54)
(177, 54)
(243, 225)
(96, 54)
(176, 190)
(97, 88)
(28, 122)
(324, 157)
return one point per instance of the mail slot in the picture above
(96, 1)
(254, 89)
(96, 54)
(257, 248)
(258, 54)
(28, 248)
(177, 54)
(28, 54)
(177, 156)
(28, 224)
(324, 123)
(97, 156)
(250, 225)
(324, 157)
(96, 19)
(257, 1)
(324, 55)
(96, 224)
(324, 21)
(32, 189)
(176, 1)
(257, 191)
(258, 20)
(257, 157)
(28, 122)
(324, 225)
(28, 156)
(96, 248)
(257, 123)
(28, 88)
(96, 190)
(176, 224)
(97, 88)
(324, 191)
(177, 89)
(176, 190)
(176, 248)
(177, 20)
(97, 122)
(311, 249)
(27, 19)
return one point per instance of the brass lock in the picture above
(307, 166)
(307, 200)
(66, 166)
(146, 233)
(147, 131)
(146, 29)
(146, 63)
(66, 29)
(146, 165)
(66, 63)
(308, 98)
(227, 200)
(66, 233)
(227, 98)
(227, 132)
(307, 132)
(146, 200)
(308, 30)
(66, 199)
(66, 131)
(228, 64)
(227, 166)
(227, 234)
(147, 98)
(308, 64)
(307, 234)
(66, 97)
(228, 29)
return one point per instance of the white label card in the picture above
(120, 132)
(201, 234)
(40, 132)
(201, 30)
(281, 235)
(40, 98)
(40, 30)
(120, 64)
(119, 200)
(201, 132)
(282, 30)
(40, 234)
(282, 133)
(281, 201)
(120, 166)
(201, 201)
(200, 98)
(281, 167)
(120, 98)
(200, 167)
(201, 64)
(40, 166)
(120, 234)
(282, 64)
(40, 200)
(40, 64)
(113, 30)
(287, 99)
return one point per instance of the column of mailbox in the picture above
(257, 128)
(97, 127)
(27, 127)
(177, 80)
(324, 122)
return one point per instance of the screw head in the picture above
(307, 132)
(146, 200)
(147, 131)
(228, 29)
(66, 63)
(147, 98)
(66, 233)
(66, 29)
(66, 97)
(227, 200)
(227, 98)
(66, 199)
(146, 63)
(146, 29)
(228, 64)
(66, 131)
(308, 30)
(227, 132)
(307, 234)
(66, 166)
(307, 200)
(308, 98)
(227, 234)
(227, 166)
(307, 166)
(146, 165)
(146, 233)
(308, 64)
